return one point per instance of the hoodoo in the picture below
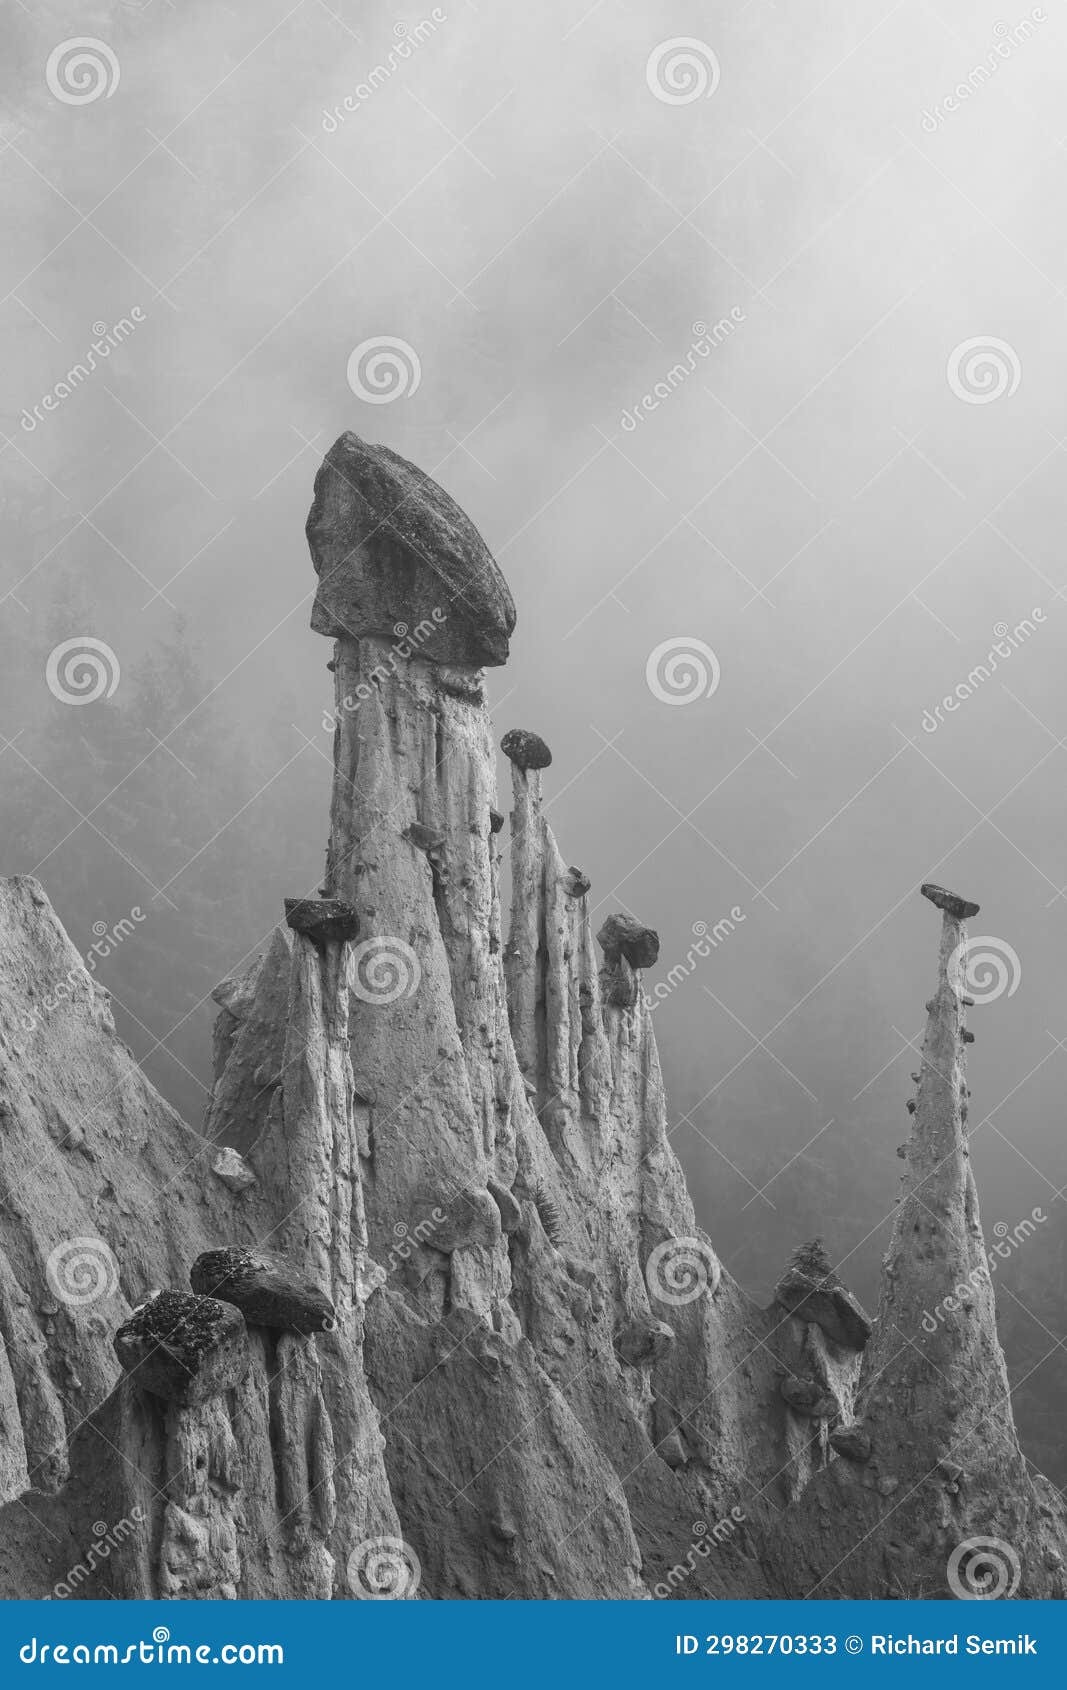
(450, 1295)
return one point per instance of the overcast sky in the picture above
(856, 479)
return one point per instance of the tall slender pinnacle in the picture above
(934, 1378)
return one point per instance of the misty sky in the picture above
(837, 501)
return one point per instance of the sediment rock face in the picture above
(934, 1497)
(466, 1308)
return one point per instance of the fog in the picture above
(843, 497)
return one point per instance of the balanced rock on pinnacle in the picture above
(621, 935)
(961, 909)
(397, 559)
(525, 749)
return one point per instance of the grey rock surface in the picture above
(398, 560)
(537, 1373)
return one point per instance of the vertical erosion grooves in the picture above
(932, 1462)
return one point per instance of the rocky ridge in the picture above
(426, 1311)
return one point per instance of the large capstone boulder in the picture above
(266, 1288)
(525, 749)
(961, 909)
(184, 1349)
(397, 559)
(810, 1290)
(622, 936)
(325, 921)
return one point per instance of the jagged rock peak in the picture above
(961, 909)
(525, 749)
(398, 559)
